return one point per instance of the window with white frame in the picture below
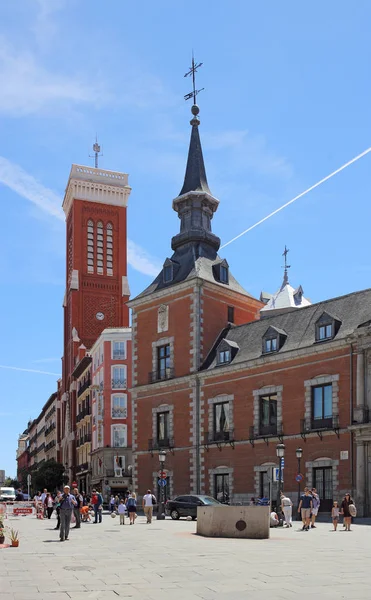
(119, 406)
(118, 350)
(119, 436)
(119, 377)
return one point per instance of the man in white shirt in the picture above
(148, 502)
(286, 506)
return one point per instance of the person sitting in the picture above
(274, 520)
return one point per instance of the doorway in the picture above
(322, 477)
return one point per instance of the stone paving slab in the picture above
(167, 561)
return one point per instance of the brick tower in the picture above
(175, 323)
(96, 271)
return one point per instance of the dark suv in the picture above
(186, 506)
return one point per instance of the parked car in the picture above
(186, 506)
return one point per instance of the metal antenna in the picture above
(192, 71)
(96, 149)
(286, 266)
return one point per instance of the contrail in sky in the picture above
(29, 370)
(299, 196)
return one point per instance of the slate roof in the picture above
(195, 179)
(285, 298)
(352, 310)
(187, 266)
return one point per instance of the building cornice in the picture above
(96, 185)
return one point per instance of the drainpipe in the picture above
(198, 445)
(197, 363)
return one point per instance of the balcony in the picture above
(118, 356)
(83, 413)
(119, 413)
(266, 433)
(318, 426)
(118, 384)
(219, 438)
(50, 445)
(160, 444)
(111, 473)
(84, 387)
(83, 467)
(160, 375)
(87, 438)
(49, 429)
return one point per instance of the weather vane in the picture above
(96, 149)
(192, 71)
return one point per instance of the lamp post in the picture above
(280, 450)
(161, 512)
(299, 454)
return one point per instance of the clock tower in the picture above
(96, 263)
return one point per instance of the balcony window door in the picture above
(118, 350)
(163, 362)
(119, 406)
(221, 485)
(322, 406)
(163, 428)
(221, 421)
(119, 377)
(119, 436)
(268, 415)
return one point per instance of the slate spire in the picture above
(195, 179)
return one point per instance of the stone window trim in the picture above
(266, 391)
(219, 400)
(158, 344)
(320, 380)
(221, 471)
(160, 409)
(323, 462)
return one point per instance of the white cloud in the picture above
(25, 185)
(27, 88)
(141, 261)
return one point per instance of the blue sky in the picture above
(286, 101)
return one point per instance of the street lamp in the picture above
(299, 454)
(280, 450)
(161, 512)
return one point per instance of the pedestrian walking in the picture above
(67, 504)
(19, 497)
(42, 499)
(335, 515)
(131, 505)
(57, 507)
(97, 502)
(49, 505)
(112, 503)
(121, 509)
(347, 500)
(315, 508)
(149, 501)
(286, 507)
(77, 508)
(305, 506)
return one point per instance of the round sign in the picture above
(299, 477)
(162, 474)
(74, 484)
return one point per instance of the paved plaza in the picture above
(167, 561)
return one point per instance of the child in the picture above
(335, 514)
(121, 510)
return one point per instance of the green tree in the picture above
(9, 482)
(49, 475)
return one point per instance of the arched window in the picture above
(100, 246)
(109, 249)
(90, 246)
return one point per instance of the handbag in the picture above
(352, 510)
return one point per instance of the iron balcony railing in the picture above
(167, 442)
(161, 375)
(84, 387)
(219, 436)
(118, 384)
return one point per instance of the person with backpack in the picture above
(97, 502)
(131, 505)
(149, 501)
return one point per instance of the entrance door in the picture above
(322, 477)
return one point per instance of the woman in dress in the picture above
(345, 511)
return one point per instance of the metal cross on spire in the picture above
(286, 266)
(192, 71)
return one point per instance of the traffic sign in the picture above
(299, 477)
(276, 474)
(29, 479)
(161, 482)
(162, 474)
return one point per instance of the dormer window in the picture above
(270, 345)
(168, 271)
(326, 327)
(224, 356)
(221, 272)
(273, 340)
